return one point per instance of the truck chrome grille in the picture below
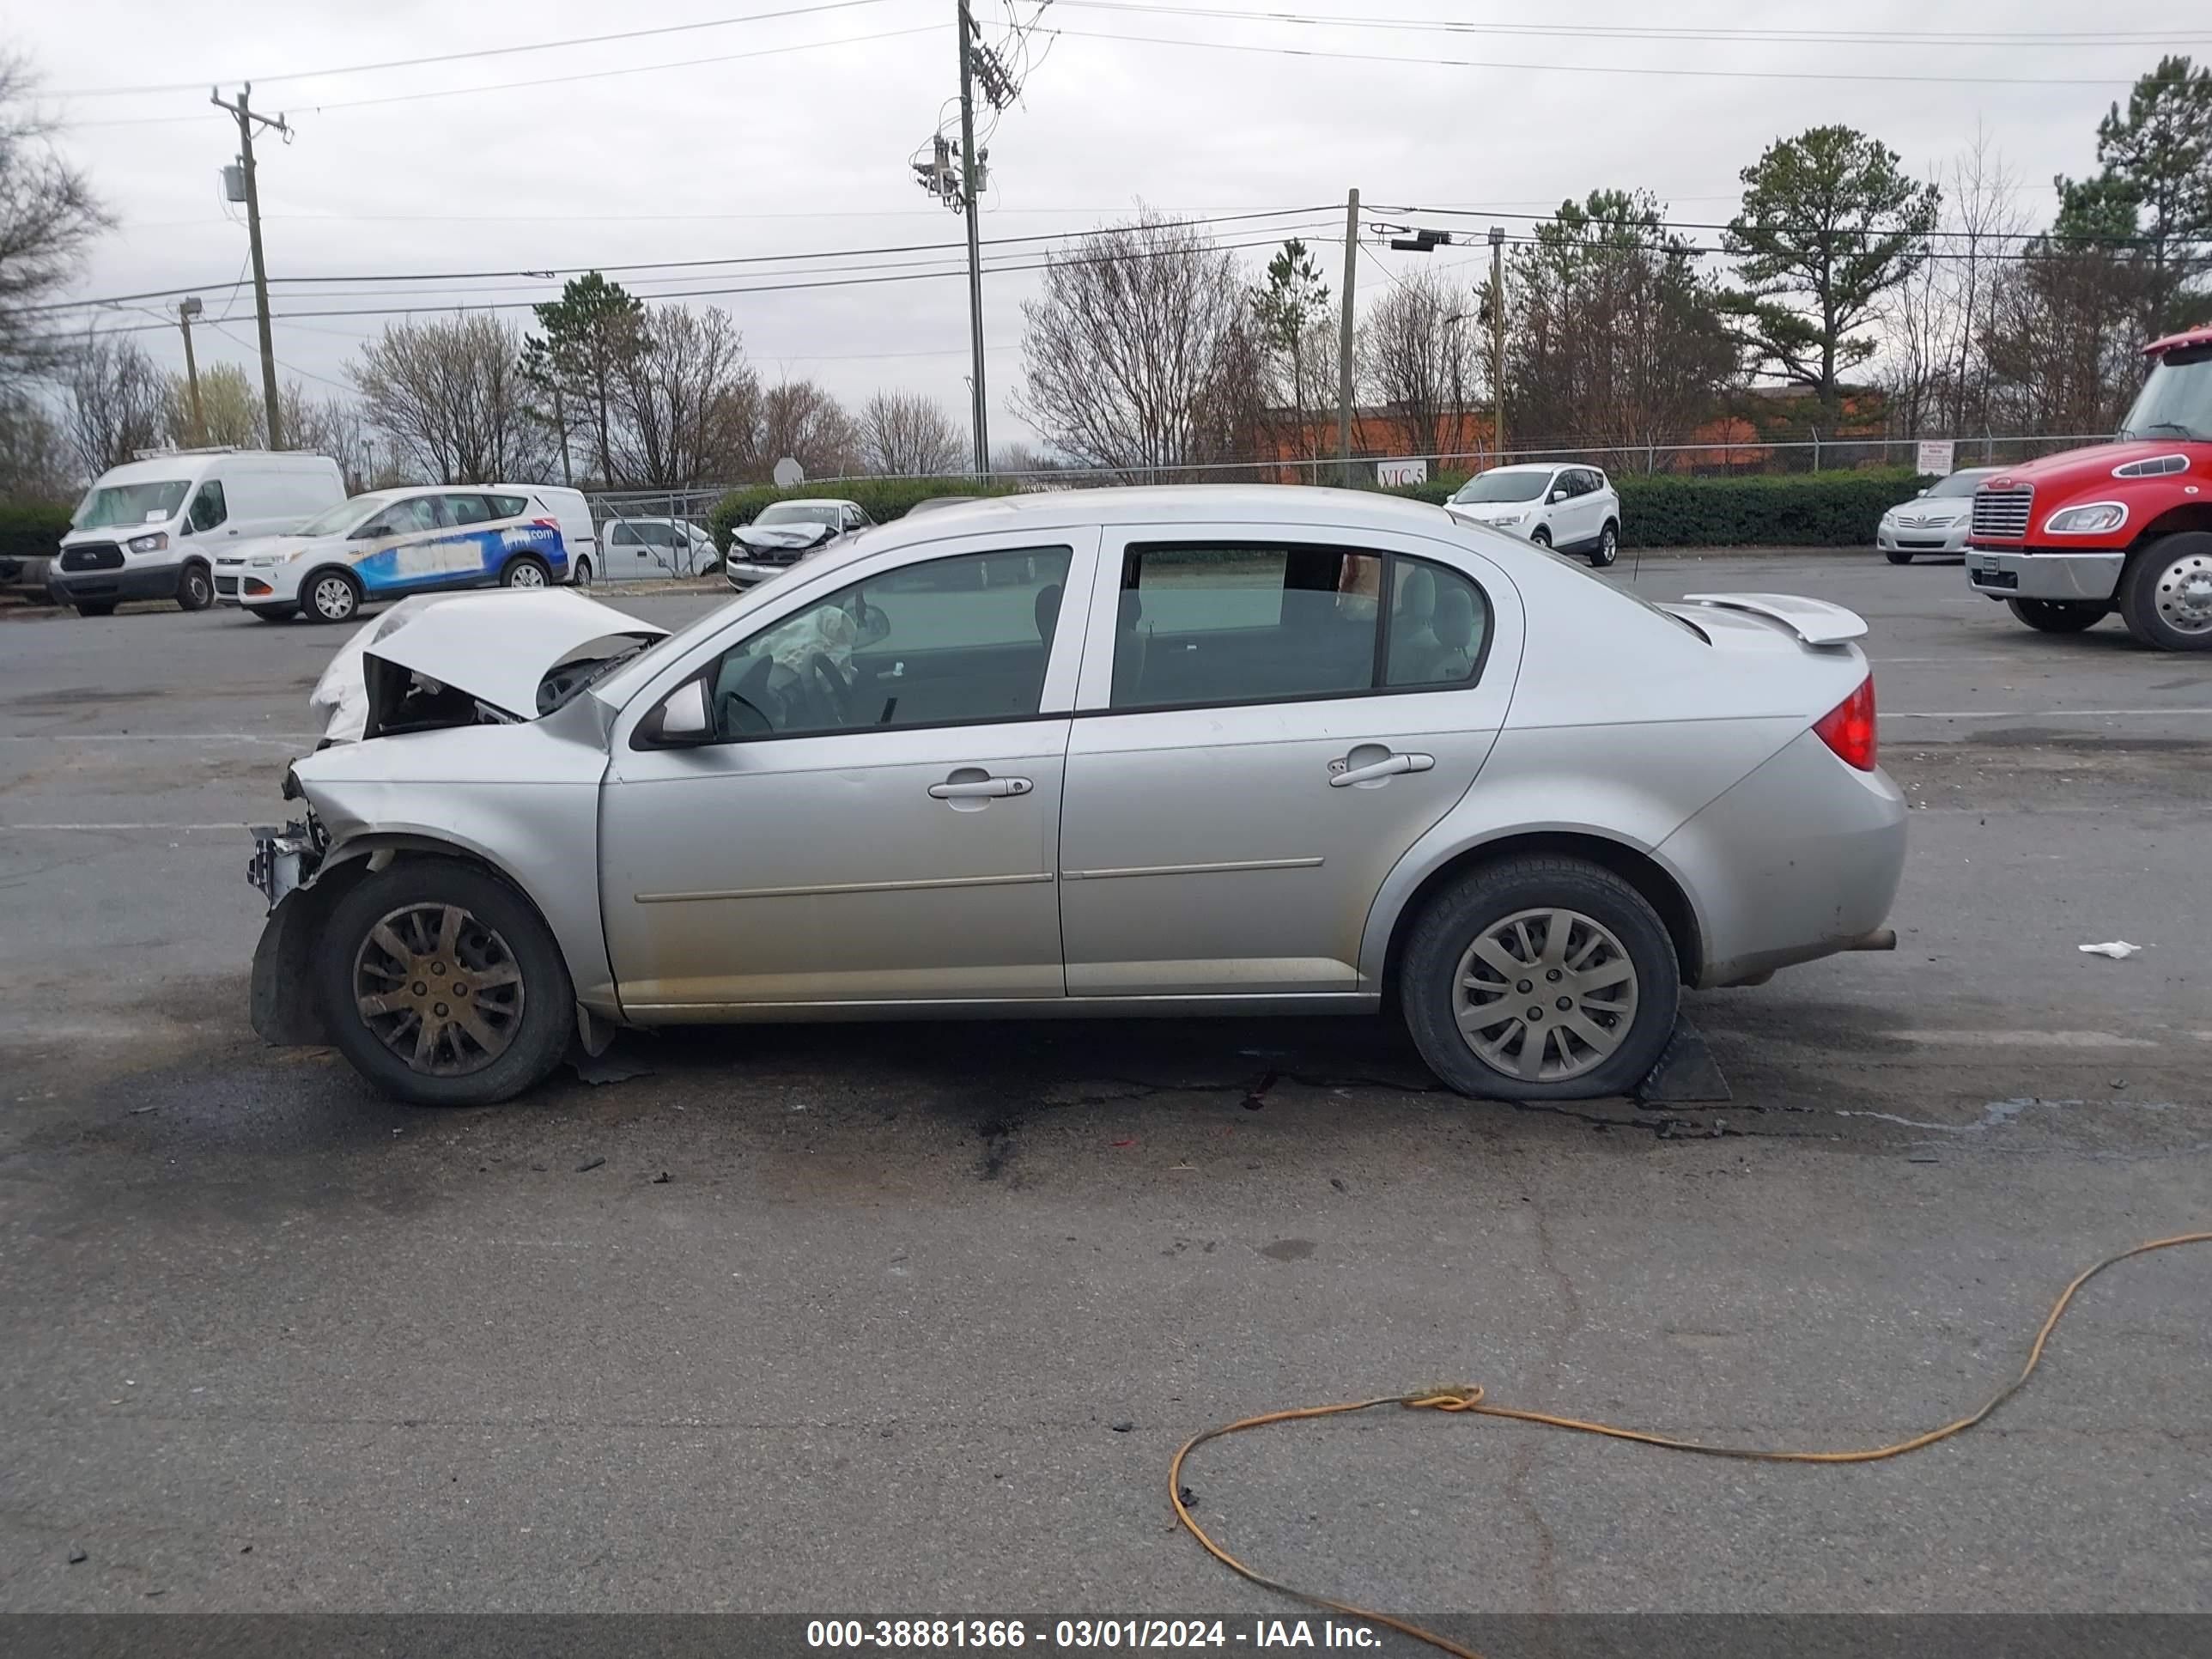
(2002, 514)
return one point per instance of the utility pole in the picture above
(187, 310)
(1498, 337)
(1344, 339)
(247, 120)
(979, 405)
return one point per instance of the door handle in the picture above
(980, 788)
(1342, 775)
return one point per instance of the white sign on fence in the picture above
(1391, 474)
(1936, 457)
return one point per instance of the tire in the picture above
(494, 932)
(2057, 615)
(1608, 546)
(195, 586)
(1896, 555)
(2165, 593)
(580, 573)
(95, 607)
(332, 595)
(1609, 924)
(274, 612)
(1541, 535)
(525, 570)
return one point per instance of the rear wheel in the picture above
(1608, 547)
(333, 596)
(2166, 597)
(581, 572)
(525, 571)
(442, 985)
(195, 587)
(1540, 979)
(1897, 555)
(95, 607)
(2057, 615)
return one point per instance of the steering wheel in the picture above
(836, 690)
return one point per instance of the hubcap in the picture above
(527, 575)
(333, 598)
(1545, 995)
(2184, 595)
(439, 988)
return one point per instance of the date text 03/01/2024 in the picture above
(1087, 1634)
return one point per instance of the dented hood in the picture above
(783, 537)
(495, 646)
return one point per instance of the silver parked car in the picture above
(1178, 751)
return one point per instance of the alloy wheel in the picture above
(2184, 595)
(525, 574)
(1545, 995)
(333, 598)
(440, 989)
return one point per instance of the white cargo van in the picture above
(150, 530)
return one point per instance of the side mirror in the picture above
(1555, 497)
(1923, 490)
(683, 718)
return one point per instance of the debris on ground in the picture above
(589, 1165)
(661, 1180)
(1122, 1427)
(78, 1556)
(615, 1065)
(2119, 949)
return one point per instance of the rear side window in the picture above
(1218, 624)
(467, 510)
(509, 507)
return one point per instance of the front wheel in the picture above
(195, 587)
(333, 597)
(1540, 979)
(1607, 548)
(525, 571)
(442, 985)
(2166, 597)
(1541, 535)
(2057, 615)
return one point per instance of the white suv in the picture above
(1570, 509)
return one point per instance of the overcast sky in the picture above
(806, 150)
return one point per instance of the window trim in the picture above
(1379, 668)
(645, 735)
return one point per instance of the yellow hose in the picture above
(1470, 1400)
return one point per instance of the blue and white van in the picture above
(392, 543)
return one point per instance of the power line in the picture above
(1707, 224)
(2134, 39)
(1333, 55)
(539, 81)
(481, 51)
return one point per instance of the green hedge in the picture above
(882, 499)
(28, 531)
(1781, 509)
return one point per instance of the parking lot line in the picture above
(2026, 714)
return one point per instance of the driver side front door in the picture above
(877, 819)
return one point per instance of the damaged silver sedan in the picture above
(1160, 751)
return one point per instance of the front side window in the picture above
(404, 518)
(941, 643)
(208, 508)
(1203, 625)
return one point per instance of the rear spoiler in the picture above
(1813, 620)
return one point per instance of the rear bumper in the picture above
(2070, 578)
(128, 582)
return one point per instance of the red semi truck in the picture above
(2126, 527)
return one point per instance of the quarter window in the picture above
(948, 642)
(1203, 625)
(509, 507)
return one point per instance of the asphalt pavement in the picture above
(910, 1318)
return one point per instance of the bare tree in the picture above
(685, 398)
(1420, 352)
(450, 400)
(804, 422)
(2065, 336)
(328, 426)
(37, 462)
(48, 216)
(907, 435)
(1132, 356)
(116, 402)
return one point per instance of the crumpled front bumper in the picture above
(2067, 578)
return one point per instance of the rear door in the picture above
(1266, 721)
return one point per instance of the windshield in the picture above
(337, 520)
(799, 513)
(2176, 401)
(1503, 486)
(130, 503)
(1961, 483)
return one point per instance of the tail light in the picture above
(1848, 728)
